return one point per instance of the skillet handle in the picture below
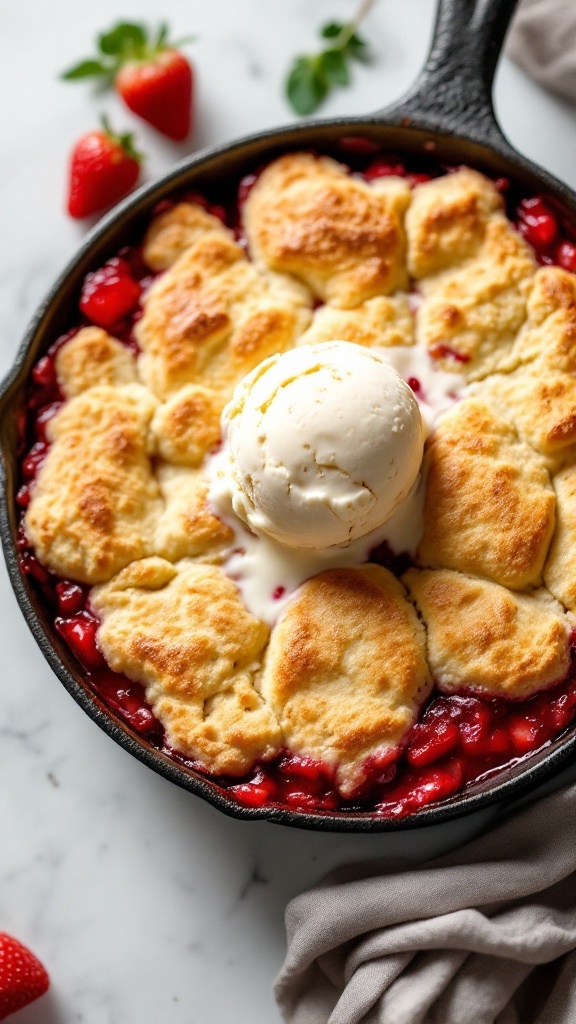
(453, 93)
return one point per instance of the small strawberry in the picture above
(22, 977)
(153, 78)
(103, 168)
(160, 92)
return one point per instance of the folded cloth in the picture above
(542, 41)
(485, 935)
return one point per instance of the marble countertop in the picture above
(146, 904)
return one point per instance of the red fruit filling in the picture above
(537, 223)
(128, 700)
(79, 633)
(566, 256)
(357, 145)
(79, 629)
(431, 740)
(31, 567)
(47, 412)
(109, 294)
(419, 788)
(384, 169)
(33, 460)
(245, 187)
(23, 496)
(417, 179)
(71, 597)
(445, 352)
(44, 373)
(459, 738)
(45, 394)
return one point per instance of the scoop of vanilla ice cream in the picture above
(324, 443)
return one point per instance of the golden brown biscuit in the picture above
(345, 670)
(447, 219)
(377, 322)
(482, 636)
(560, 567)
(211, 318)
(345, 239)
(541, 407)
(95, 502)
(188, 425)
(174, 231)
(549, 336)
(93, 357)
(187, 527)
(470, 316)
(489, 504)
(183, 633)
(227, 733)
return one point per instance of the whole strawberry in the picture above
(22, 977)
(103, 168)
(153, 78)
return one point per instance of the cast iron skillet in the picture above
(448, 111)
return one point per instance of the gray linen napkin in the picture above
(485, 935)
(543, 42)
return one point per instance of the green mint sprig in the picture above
(311, 77)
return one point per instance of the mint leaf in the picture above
(85, 69)
(306, 87)
(332, 29)
(312, 76)
(356, 47)
(334, 67)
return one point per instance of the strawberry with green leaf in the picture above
(104, 167)
(152, 76)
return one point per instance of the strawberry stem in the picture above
(350, 28)
(125, 141)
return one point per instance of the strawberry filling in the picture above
(446, 352)
(537, 223)
(71, 597)
(384, 169)
(415, 384)
(109, 294)
(566, 256)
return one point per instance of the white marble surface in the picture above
(148, 906)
